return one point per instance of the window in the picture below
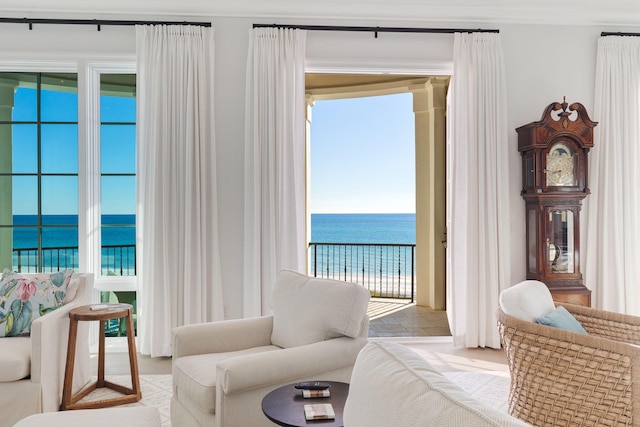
(38, 171)
(118, 192)
(67, 173)
(117, 174)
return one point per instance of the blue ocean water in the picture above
(325, 228)
(363, 228)
(117, 230)
(118, 235)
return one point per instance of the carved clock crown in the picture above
(559, 119)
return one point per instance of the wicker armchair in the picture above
(563, 378)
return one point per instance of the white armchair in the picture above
(222, 370)
(32, 368)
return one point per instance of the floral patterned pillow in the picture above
(26, 297)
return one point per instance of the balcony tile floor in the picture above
(402, 318)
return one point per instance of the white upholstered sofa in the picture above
(222, 370)
(32, 367)
(391, 385)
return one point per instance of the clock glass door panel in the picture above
(561, 251)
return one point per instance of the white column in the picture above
(309, 107)
(429, 107)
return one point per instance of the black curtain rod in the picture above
(604, 34)
(376, 30)
(96, 22)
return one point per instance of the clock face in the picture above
(560, 166)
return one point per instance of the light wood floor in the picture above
(424, 330)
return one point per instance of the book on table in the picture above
(308, 394)
(319, 411)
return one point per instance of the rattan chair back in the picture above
(563, 378)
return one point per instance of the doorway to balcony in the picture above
(429, 108)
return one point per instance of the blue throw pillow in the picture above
(561, 318)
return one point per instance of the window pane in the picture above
(59, 98)
(25, 96)
(118, 245)
(117, 98)
(59, 195)
(118, 327)
(118, 226)
(118, 195)
(118, 259)
(24, 195)
(59, 149)
(118, 149)
(24, 143)
(59, 248)
(25, 249)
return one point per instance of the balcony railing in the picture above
(386, 270)
(117, 260)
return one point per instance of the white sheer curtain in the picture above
(612, 250)
(275, 235)
(478, 258)
(179, 264)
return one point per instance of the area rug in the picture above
(490, 387)
(156, 392)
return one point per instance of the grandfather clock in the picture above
(554, 176)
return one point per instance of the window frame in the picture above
(90, 199)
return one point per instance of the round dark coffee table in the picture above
(285, 405)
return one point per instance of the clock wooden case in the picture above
(554, 182)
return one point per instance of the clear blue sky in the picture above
(363, 155)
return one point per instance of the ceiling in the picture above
(330, 81)
(568, 12)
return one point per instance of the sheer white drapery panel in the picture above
(179, 280)
(478, 250)
(275, 236)
(612, 250)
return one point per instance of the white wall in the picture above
(543, 64)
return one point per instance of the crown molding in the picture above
(567, 12)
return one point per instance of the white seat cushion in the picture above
(393, 386)
(308, 309)
(15, 358)
(143, 416)
(528, 300)
(194, 377)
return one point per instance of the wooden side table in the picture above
(130, 395)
